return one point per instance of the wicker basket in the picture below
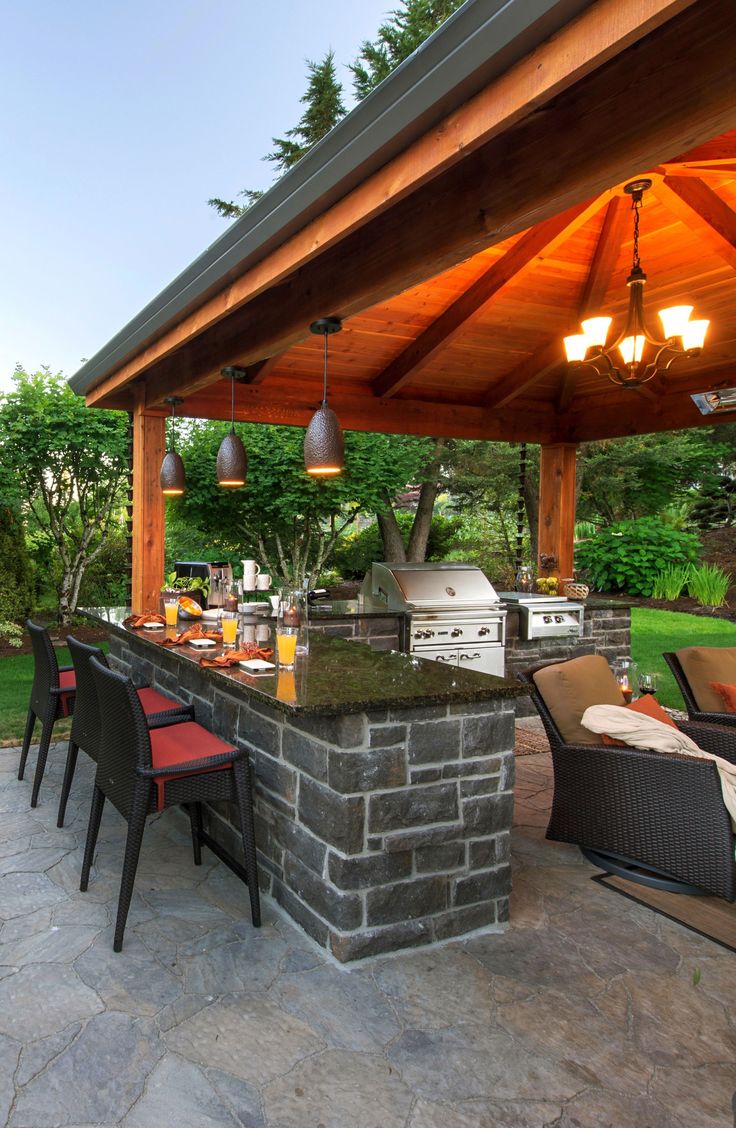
(575, 590)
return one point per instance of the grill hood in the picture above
(429, 587)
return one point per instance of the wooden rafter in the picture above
(692, 201)
(524, 376)
(535, 244)
(602, 266)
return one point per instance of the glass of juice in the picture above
(286, 646)
(171, 610)
(229, 623)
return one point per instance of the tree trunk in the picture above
(422, 524)
(531, 501)
(393, 545)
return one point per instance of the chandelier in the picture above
(641, 354)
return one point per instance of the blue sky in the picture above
(118, 120)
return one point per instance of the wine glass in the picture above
(647, 683)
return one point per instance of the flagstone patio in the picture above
(588, 1011)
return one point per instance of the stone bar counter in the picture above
(383, 782)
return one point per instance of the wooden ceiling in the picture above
(437, 340)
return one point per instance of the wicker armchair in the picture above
(86, 723)
(694, 711)
(653, 818)
(142, 770)
(52, 697)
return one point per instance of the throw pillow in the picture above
(650, 707)
(728, 693)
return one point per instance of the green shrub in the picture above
(708, 584)
(10, 633)
(629, 555)
(670, 582)
(356, 552)
(105, 580)
(16, 577)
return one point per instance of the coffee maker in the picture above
(219, 573)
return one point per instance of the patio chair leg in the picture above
(43, 751)
(244, 793)
(195, 818)
(27, 735)
(93, 829)
(136, 826)
(71, 763)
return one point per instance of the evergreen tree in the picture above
(324, 108)
(406, 30)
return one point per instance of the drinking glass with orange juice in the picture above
(286, 646)
(171, 610)
(229, 624)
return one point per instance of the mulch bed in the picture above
(58, 637)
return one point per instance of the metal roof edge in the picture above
(478, 42)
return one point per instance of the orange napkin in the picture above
(188, 635)
(136, 621)
(247, 651)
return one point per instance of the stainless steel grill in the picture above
(453, 614)
(545, 616)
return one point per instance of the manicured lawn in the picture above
(16, 677)
(655, 631)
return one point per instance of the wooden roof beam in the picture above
(524, 376)
(532, 246)
(693, 201)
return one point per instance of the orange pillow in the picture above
(650, 707)
(728, 693)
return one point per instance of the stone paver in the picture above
(585, 1013)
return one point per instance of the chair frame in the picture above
(86, 723)
(46, 704)
(654, 818)
(125, 775)
(693, 711)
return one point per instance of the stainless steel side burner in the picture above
(545, 616)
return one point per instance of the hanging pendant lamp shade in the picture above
(232, 461)
(172, 476)
(324, 445)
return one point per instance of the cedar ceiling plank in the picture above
(472, 206)
(602, 266)
(257, 373)
(539, 365)
(722, 170)
(537, 242)
(693, 201)
(596, 37)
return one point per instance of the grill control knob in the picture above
(547, 618)
(424, 634)
(558, 618)
(455, 632)
(484, 631)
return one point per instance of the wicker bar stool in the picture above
(86, 724)
(142, 770)
(52, 697)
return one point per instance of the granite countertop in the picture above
(336, 676)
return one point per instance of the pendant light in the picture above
(232, 461)
(172, 476)
(636, 342)
(323, 443)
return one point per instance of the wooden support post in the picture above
(557, 508)
(149, 441)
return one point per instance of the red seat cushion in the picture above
(68, 683)
(155, 702)
(180, 744)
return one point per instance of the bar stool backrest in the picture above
(45, 668)
(125, 744)
(86, 723)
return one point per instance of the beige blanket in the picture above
(644, 732)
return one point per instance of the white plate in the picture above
(153, 626)
(202, 643)
(257, 664)
(212, 614)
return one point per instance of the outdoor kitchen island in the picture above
(383, 783)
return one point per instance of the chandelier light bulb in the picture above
(674, 320)
(631, 349)
(576, 347)
(693, 334)
(595, 330)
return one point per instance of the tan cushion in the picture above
(569, 688)
(703, 665)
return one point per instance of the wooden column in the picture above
(149, 442)
(557, 507)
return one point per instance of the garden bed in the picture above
(58, 635)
